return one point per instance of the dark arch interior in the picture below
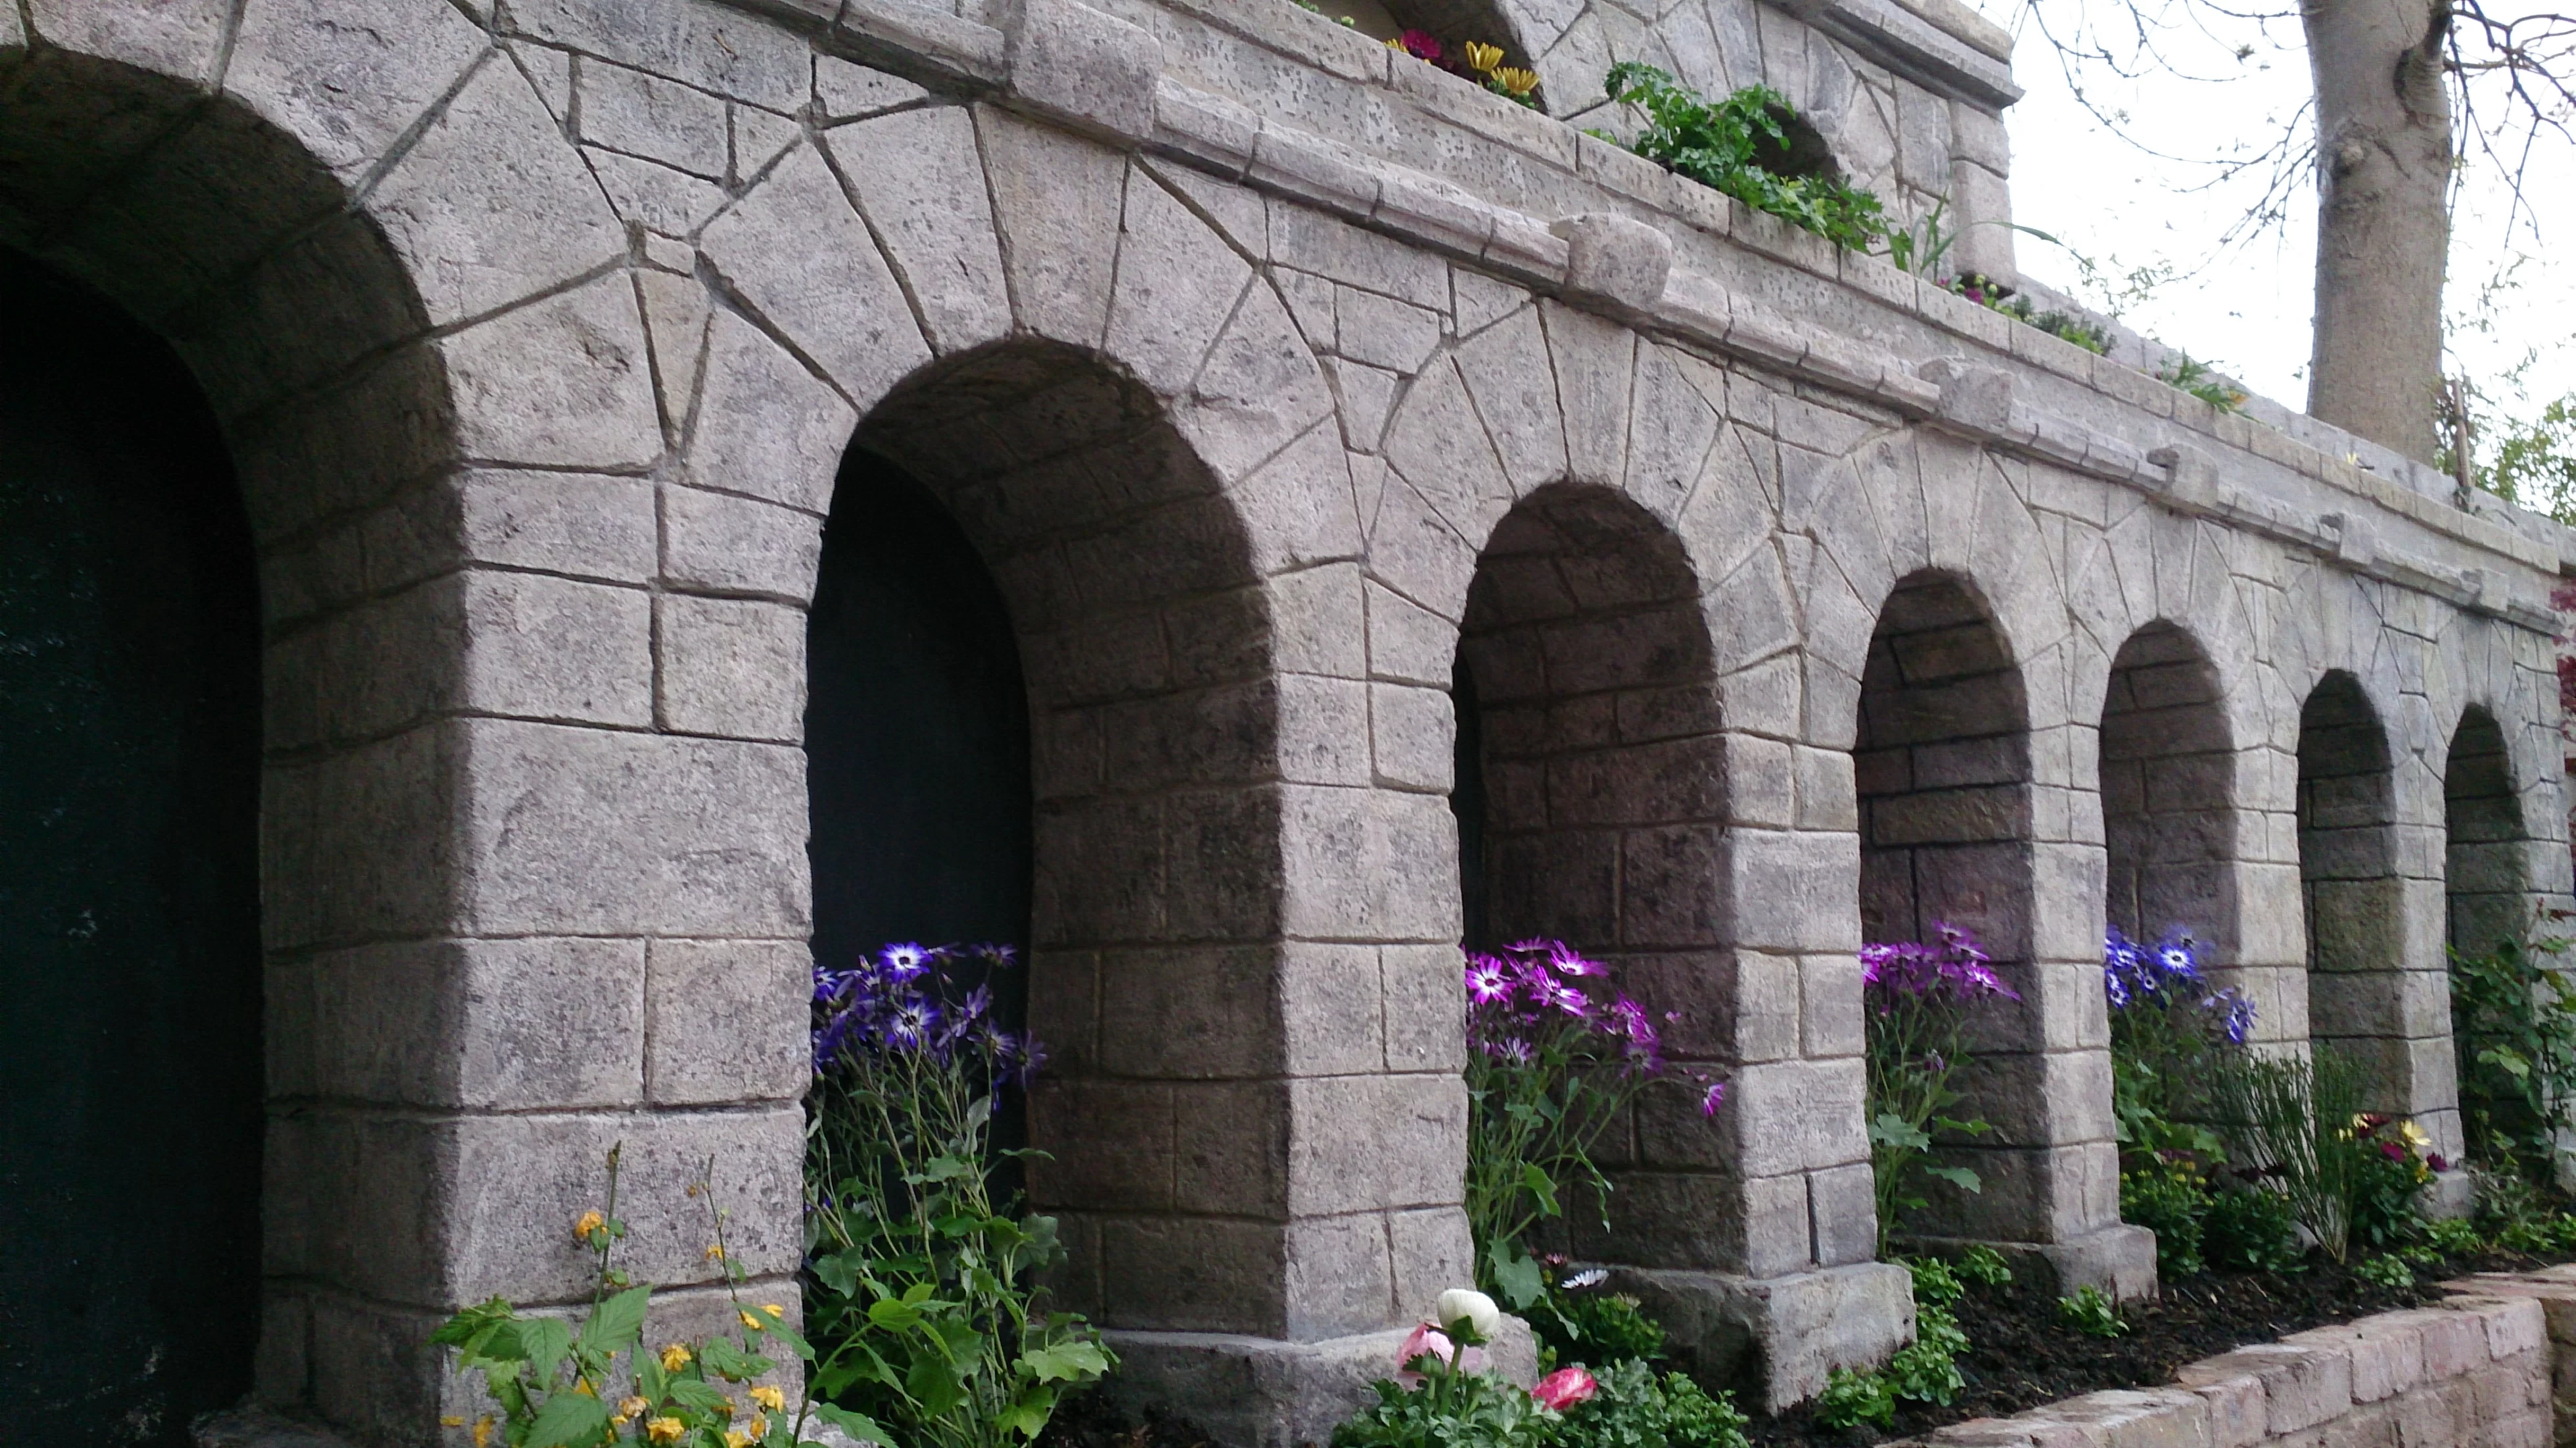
(129, 927)
(2167, 777)
(1942, 768)
(2358, 994)
(2483, 885)
(1591, 803)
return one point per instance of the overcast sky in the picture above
(2248, 311)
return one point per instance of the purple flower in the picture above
(1712, 1097)
(907, 961)
(1488, 980)
(1570, 961)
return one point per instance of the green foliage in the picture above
(1935, 1282)
(1852, 1398)
(922, 1287)
(2092, 1312)
(1721, 144)
(1451, 1409)
(556, 1385)
(2385, 1271)
(2168, 1198)
(2185, 374)
(1593, 1327)
(2454, 1237)
(2534, 461)
(1984, 1266)
(2065, 326)
(1634, 1408)
(2513, 1015)
(2281, 1118)
(1926, 1370)
(2250, 1229)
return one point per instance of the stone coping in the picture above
(2491, 1364)
(1502, 182)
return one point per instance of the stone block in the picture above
(507, 1025)
(1086, 67)
(578, 524)
(2235, 1410)
(660, 120)
(1256, 1392)
(588, 831)
(711, 46)
(1194, 1274)
(905, 171)
(346, 92)
(2302, 1386)
(730, 667)
(725, 1021)
(551, 648)
(1056, 201)
(1789, 1332)
(1424, 1000)
(563, 383)
(844, 91)
(2387, 1359)
(2144, 1418)
(1615, 259)
(1364, 1143)
(720, 541)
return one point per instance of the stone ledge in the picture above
(2475, 1370)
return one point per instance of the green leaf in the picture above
(1519, 1276)
(568, 1418)
(1891, 1129)
(1957, 1176)
(545, 1342)
(1028, 1417)
(1065, 1362)
(618, 1322)
(932, 1382)
(1540, 1185)
(894, 1316)
(858, 1425)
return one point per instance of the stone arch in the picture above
(1592, 795)
(1942, 766)
(406, 302)
(2168, 767)
(2369, 996)
(2485, 876)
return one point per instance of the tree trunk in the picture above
(2383, 223)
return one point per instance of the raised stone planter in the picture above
(2492, 1365)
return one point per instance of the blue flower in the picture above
(907, 961)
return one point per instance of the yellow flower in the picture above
(451, 1422)
(769, 1397)
(736, 1438)
(1482, 57)
(758, 1427)
(2415, 1135)
(665, 1430)
(715, 1251)
(749, 1321)
(1519, 82)
(482, 1430)
(583, 1387)
(632, 1407)
(774, 1310)
(675, 1357)
(585, 1224)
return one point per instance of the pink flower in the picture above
(1420, 44)
(1423, 1341)
(1564, 1388)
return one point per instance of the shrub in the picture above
(1720, 144)
(923, 1287)
(2092, 1312)
(1852, 1398)
(2513, 1015)
(1984, 1266)
(2169, 1199)
(1555, 1055)
(1631, 1407)
(1918, 998)
(2250, 1228)
(2384, 1271)
(1574, 1325)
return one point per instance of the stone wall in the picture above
(1269, 373)
(2474, 1372)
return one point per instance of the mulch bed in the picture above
(2023, 1355)
(1088, 1420)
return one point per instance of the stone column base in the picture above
(1775, 1339)
(2119, 1259)
(2449, 1194)
(1260, 1392)
(258, 1427)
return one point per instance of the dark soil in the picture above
(1088, 1420)
(2022, 1353)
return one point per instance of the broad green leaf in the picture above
(932, 1383)
(545, 1342)
(858, 1425)
(1957, 1176)
(1065, 1362)
(1519, 1276)
(892, 1315)
(1541, 1186)
(618, 1322)
(568, 1418)
(1891, 1129)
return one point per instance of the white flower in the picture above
(1477, 1310)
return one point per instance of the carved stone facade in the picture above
(1276, 377)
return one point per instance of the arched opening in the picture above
(2486, 896)
(129, 891)
(2363, 997)
(2168, 785)
(1148, 779)
(1592, 807)
(1941, 765)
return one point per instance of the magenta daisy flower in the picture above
(1488, 980)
